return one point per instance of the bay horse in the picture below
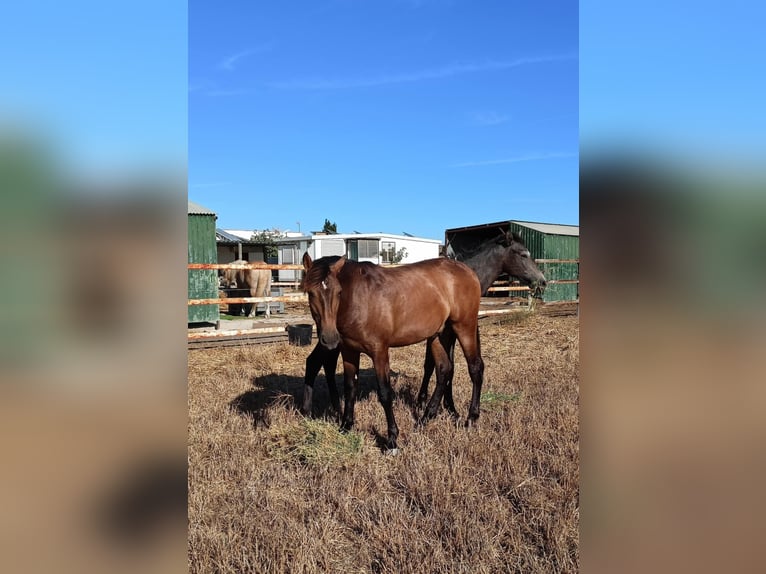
(365, 308)
(247, 282)
(504, 254)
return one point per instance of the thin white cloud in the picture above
(416, 76)
(517, 159)
(229, 63)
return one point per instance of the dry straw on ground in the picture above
(270, 491)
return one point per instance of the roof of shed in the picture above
(550, 228)
(224, 236)
(197, 209)
(354, 236)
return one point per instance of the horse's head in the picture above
(518, 261)
(321, 283)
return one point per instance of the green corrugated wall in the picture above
(549, 246)
(203, 283)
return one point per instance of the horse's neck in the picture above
(487, 266)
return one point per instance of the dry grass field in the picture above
(270, 491)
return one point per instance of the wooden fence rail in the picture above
(303, 298)
(497, 287)
(284, 298)
(251, 265)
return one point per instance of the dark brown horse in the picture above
(505, 253)
(492, 258)
(364, 308)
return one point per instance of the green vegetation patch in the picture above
(314, 442)
(498, 400)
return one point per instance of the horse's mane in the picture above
(500, 239)
(318, 272)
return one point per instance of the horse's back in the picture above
(441, 275)
(409, 303)
(257, 281)
(448, 276)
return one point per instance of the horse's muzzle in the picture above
(329, 340)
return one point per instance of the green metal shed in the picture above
(203, 283)
(545, 241)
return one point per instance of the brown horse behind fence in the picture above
(365, 308)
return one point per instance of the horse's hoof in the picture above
(392, 452)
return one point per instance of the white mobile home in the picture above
(380, 248)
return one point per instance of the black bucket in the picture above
(300, 334)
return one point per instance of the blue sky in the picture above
(381, 115)
(682, 80)
(102, 84)
(395, 116)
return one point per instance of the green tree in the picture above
(329, 227)
(266, 239)
(399, 255)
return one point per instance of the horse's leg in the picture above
(386, 395)
(317, 359)
(468, 335)
(444, 370)
(428, 369)
(330, 361)
(267, 293)
(252, 310)
(350, 381)
(313, 364)
(448, 342)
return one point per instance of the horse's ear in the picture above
(515, 237)
(338, 265)
(306, 261)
